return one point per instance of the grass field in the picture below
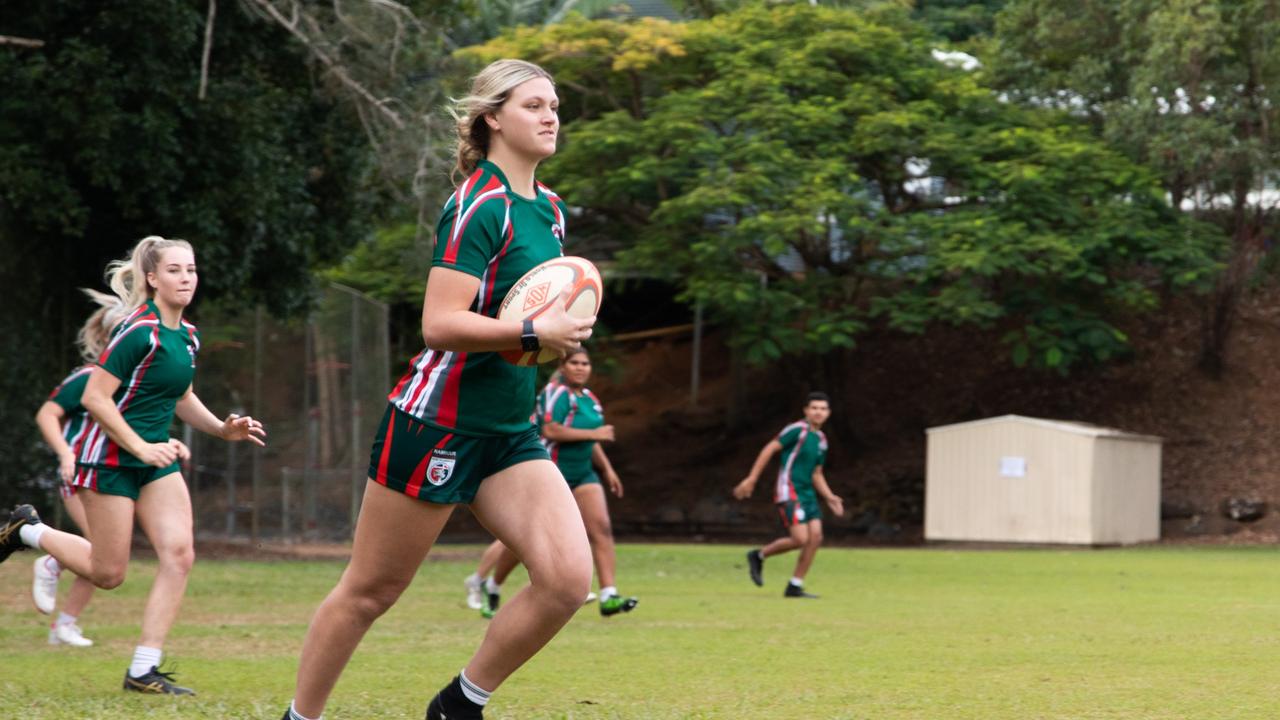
(1145, 633)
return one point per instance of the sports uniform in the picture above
(456, 418)
(803, 451)
(75, 418)
(155, 365)
(581, 411)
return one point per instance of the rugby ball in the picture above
(533, 294)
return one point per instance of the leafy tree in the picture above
(1190, 88)
(807, 171)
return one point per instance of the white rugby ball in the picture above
(533, 294)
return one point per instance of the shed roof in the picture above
(1070, 426)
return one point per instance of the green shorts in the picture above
(440, 466)
(578, 481)
(122, 481)
(799, 511)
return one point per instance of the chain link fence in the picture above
(319, 386)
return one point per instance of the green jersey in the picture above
(580, 410)
(155, 365)
(803, 450)
(67, 396)
(489, 232)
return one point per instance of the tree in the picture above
(806, 172)
(1190, 88)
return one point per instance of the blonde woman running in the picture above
(457, 429)
(127, 461)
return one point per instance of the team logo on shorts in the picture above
(537, 295)
(440, 469)
(799, 514)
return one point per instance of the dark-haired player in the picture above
(799, 485)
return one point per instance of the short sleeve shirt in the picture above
(803, 451)
(67, 396)
(577, 410)
(491, 233)
(155, 365)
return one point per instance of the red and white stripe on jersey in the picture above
(82, 370)
(429, 391)
(98, 447)
(192, 335)
(550, 396)
(484, 296)
(73, 440)
(465, 209)
(784, 490)
(558, 229)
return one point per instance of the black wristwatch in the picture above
(529, 339)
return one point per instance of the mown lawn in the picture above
(1137, 634)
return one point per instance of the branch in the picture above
(21, 41)
(340, 72)
(208, 48)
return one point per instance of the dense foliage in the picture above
(806, 172)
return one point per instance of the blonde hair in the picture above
(127, 278)
(489, 90)
(93, 335)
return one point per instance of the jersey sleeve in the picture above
(788, 436)
(468, 236)
(126, 351)
(67, 395)
(558, 406)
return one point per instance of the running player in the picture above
(572, 422)
(127, 460)
(457, 429)
(800, 483)
(62, 421)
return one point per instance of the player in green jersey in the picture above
(457, 428)
(572, 421)
(799, 484)
(63, 421)
(127, 461)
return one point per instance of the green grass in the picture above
(949, 634)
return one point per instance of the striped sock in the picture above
(473, 692)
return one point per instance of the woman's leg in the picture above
(164, 512)
(504, 564)
(393, 534)
(595, 515)
(104, 563)
(81, 589)
(529, 508)
(489, 559)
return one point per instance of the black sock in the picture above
(455, 702)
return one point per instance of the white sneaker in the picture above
(68, 634)
(591, 597)
(475, 593)
(44, 585)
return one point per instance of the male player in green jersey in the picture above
(800, 482)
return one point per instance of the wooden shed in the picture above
(1028, 480)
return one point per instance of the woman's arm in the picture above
(600, 460)
(97, 400)
(556, 432)
(743, 490)
(49, 419)
(449, 324)
(191, 410)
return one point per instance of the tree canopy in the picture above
(807, 171)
